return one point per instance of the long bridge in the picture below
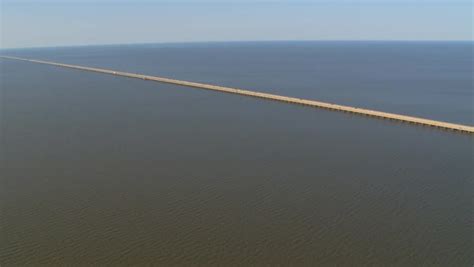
(292, 100)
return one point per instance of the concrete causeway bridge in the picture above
(292, 100)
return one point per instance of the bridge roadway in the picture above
(292, 100)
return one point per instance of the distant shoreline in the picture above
(234, 42)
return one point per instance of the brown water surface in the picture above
(103, 170)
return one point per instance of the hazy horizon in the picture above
(237, 42)
(47, 23)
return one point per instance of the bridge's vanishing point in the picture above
(292, 100)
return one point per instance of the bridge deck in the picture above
(292, 100)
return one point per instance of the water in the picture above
(107, 170)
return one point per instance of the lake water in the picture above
(104, 170)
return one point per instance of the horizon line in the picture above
(233, 41)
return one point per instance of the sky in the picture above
(43, 23)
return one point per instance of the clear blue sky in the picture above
(30, 23)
